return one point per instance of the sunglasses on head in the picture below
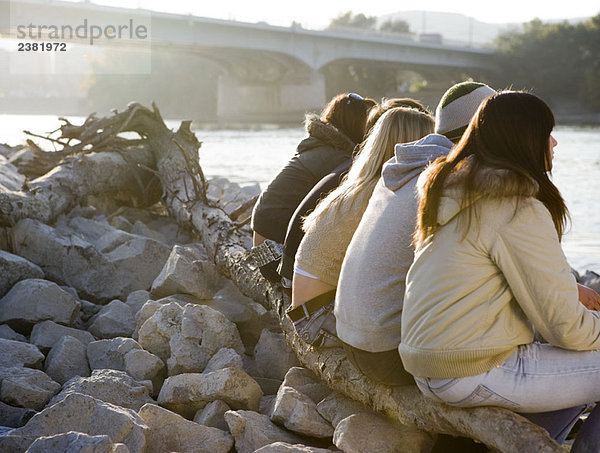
(354, 97)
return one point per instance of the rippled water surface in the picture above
(255, 156)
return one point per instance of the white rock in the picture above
(14, 268)
(213, 414)
(45, 334)
(305, 381)
(10, 178)
(68, 258)
(25, 387)
(34, 300)
(367, 432)
(189, 271)
(282, 447)
(111, 386)
(143, 365)
(187, 393)
(298, 413)
(71, 442)
(186, 338)
(114, 320)
(336, 407)
(247, 314)
(273, 356)
(110, 353)
(67, 359)
(82, 413)
(137, 299)
(16, 353)
(224, 358)
(253, 431)
(171, 432)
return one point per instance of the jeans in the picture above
(538, 377)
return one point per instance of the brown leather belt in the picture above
(311, 306)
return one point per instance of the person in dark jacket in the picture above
(332, 137)
(294, 229)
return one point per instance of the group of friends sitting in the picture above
(429, 248)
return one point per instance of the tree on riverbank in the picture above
(560, 62)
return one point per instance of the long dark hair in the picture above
(348, 112)
(510, 130)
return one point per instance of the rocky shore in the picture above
(120, 333)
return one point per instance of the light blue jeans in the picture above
(538, 377)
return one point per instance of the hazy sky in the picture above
(319, 12)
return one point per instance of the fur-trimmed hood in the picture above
(491, 183)
(320, 133)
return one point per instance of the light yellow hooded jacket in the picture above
(470, 302)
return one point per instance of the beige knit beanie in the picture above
(457, 106)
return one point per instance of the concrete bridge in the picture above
(265, 69)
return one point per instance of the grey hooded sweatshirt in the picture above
(370, 292)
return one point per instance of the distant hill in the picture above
(453, 26)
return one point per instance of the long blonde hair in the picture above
(397, 125)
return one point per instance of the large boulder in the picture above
(25, 387)
(187, 337)
(171, 432)
(213, 414)
(253, 431)
(336, 407)
(305, 381)
(101, 262)
(14, 268)
(298, 413)
(187, 393)
(67, 359)
(111, 386)
(127, 355)
(69, 259)
(273, 356)
(17, 353)
(372, 432)
(189, 271)
(80, 413)
(34, 300)
(114, 320)
(45, 334)
(73, 442)
(224, 358)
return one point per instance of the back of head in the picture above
(510, 131)
(457, 106)
(348, 113)
(387, 104)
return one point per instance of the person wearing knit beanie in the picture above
(457, 106)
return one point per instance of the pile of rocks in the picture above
(118, 334)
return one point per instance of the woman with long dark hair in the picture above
(489, 273)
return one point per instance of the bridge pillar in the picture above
(281, 101)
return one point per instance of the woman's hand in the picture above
(588, 297)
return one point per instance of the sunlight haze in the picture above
(316, 13)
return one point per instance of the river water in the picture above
(255, 155)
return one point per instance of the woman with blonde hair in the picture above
(329, 228)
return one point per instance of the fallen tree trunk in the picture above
(175, 155)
